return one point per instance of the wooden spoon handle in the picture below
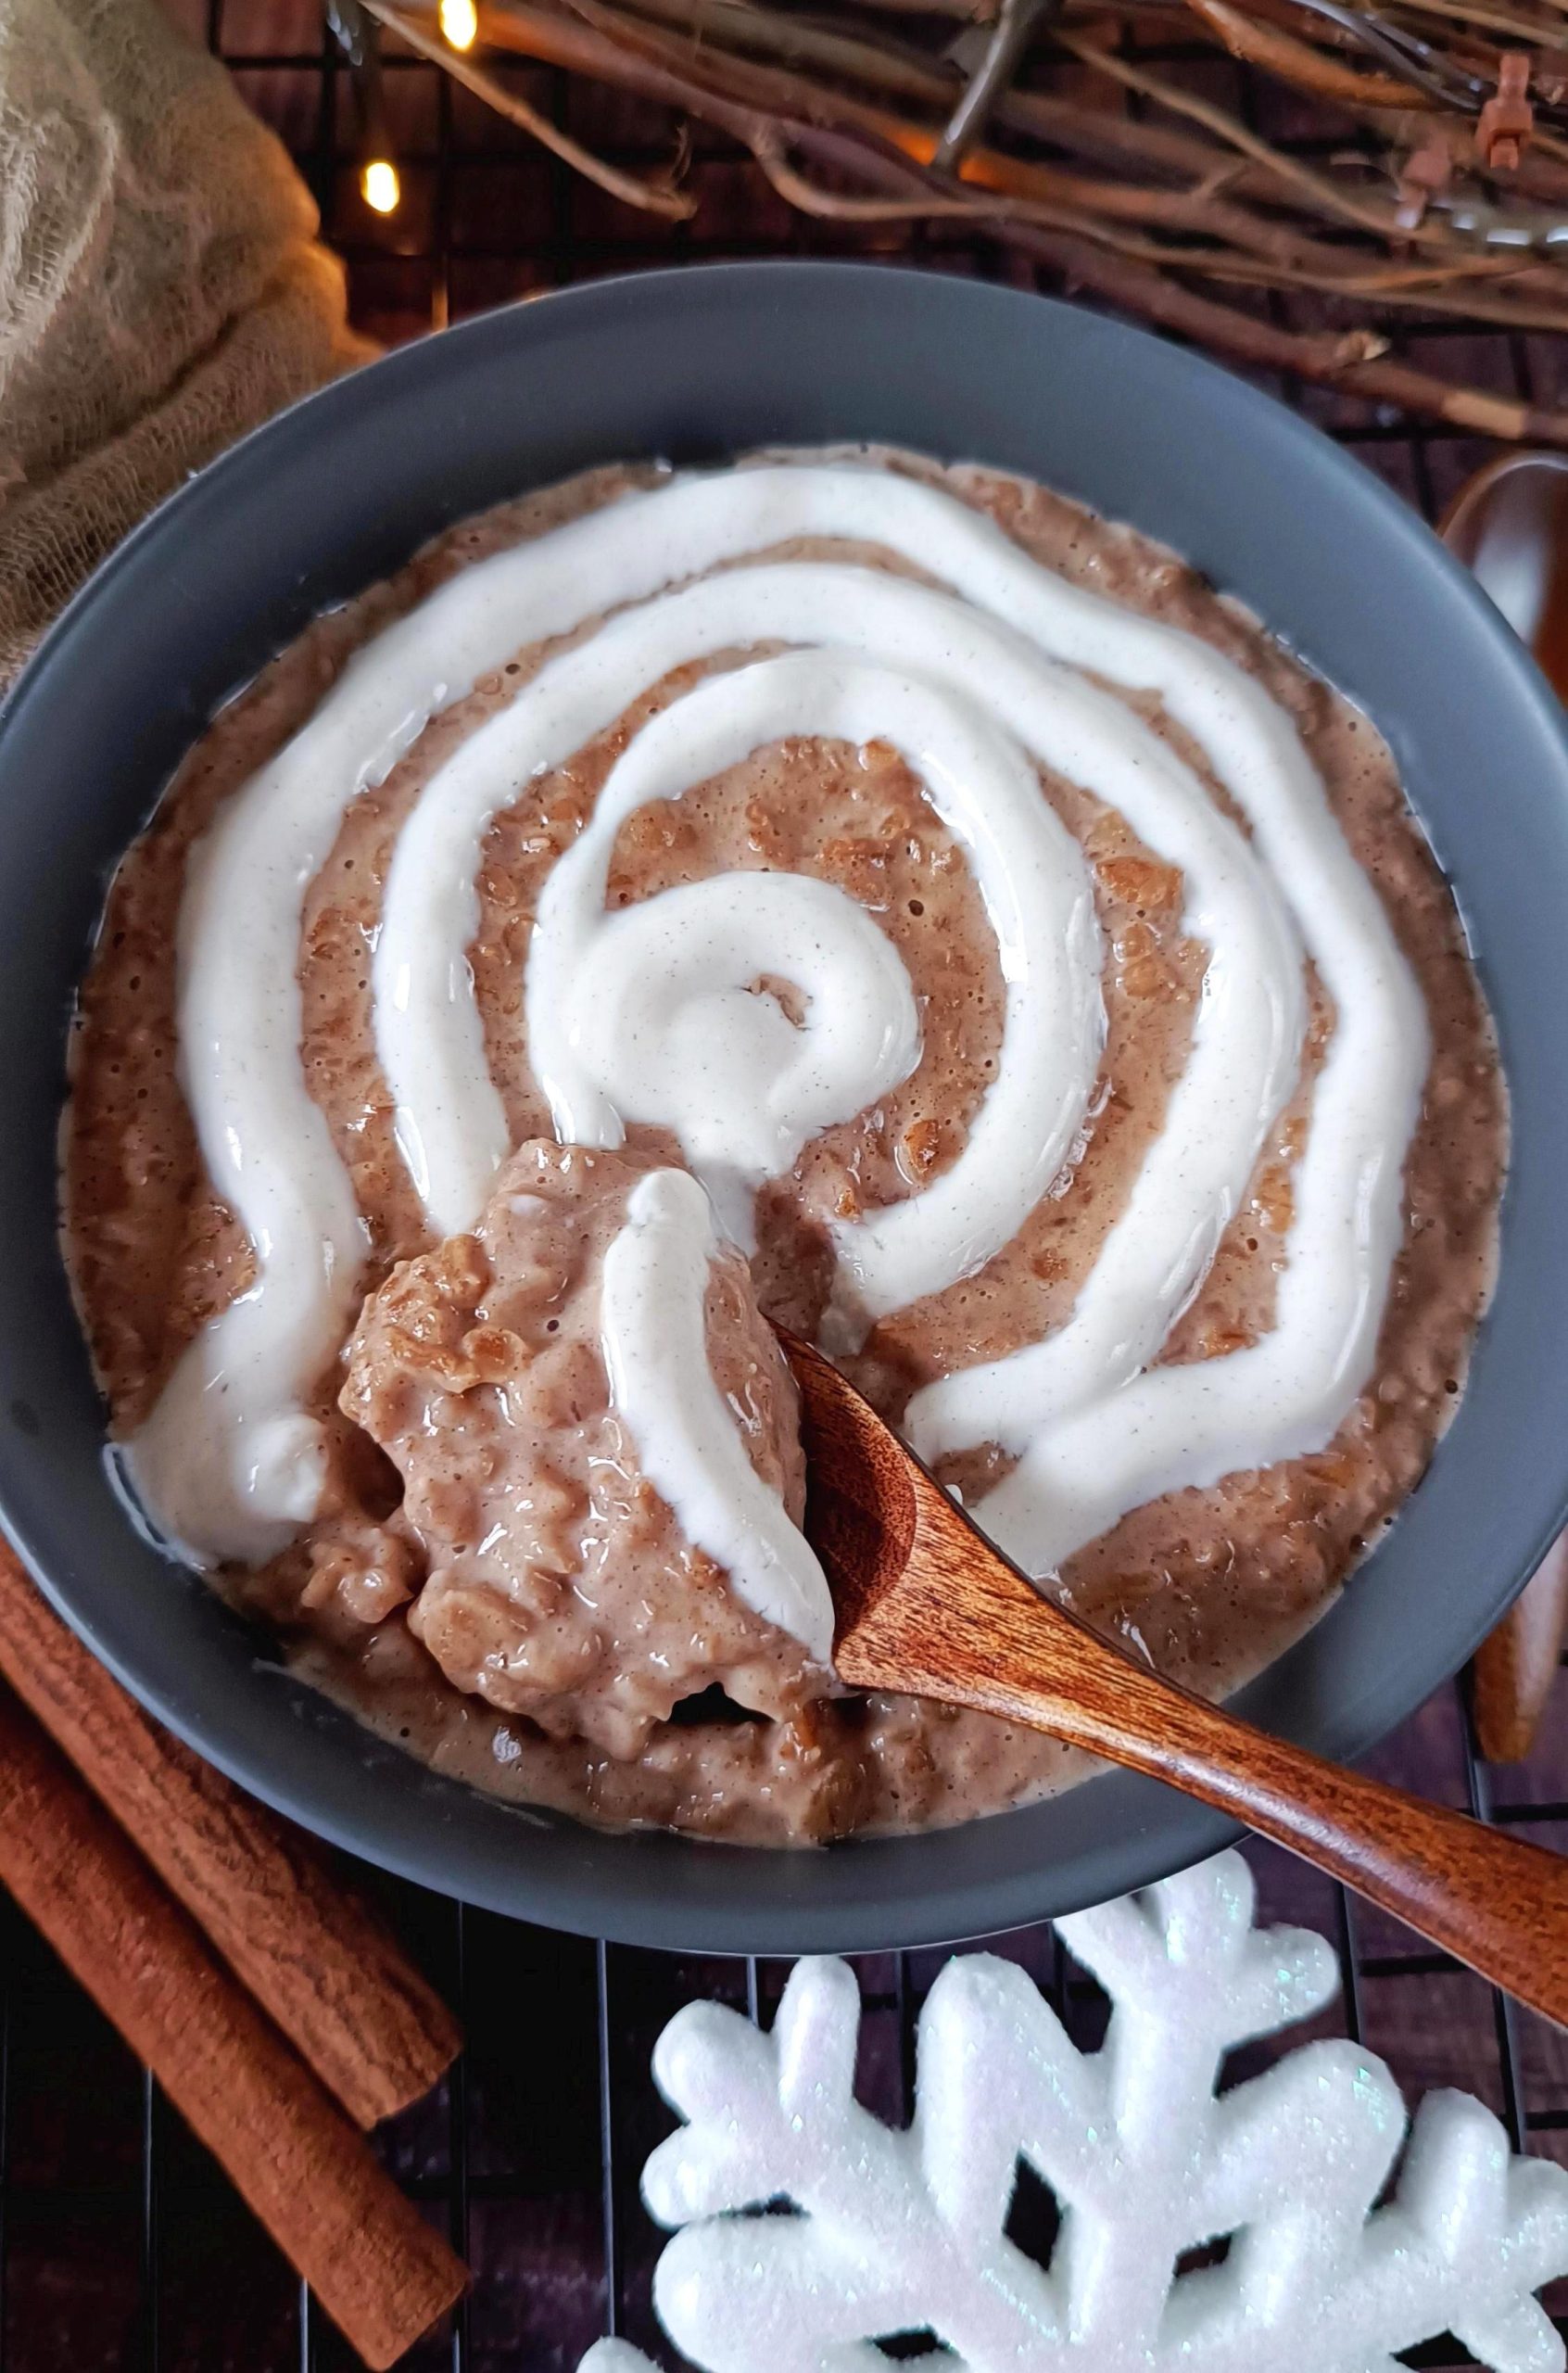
(925, 1603)
(1491, 1899)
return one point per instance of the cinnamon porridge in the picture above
(882, 898)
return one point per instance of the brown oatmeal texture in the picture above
(521, 1660)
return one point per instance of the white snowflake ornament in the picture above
(904, 2232)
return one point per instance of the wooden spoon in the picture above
(927, 1607)
(1509, 523)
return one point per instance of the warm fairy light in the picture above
(460, 22)
(379, 186)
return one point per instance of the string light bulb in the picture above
(459, 21)
(358, 37)
(379, 186)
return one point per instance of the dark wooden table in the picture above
(120, 2245)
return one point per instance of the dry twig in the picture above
(652, 197)
(1158, 200)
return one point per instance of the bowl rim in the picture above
(583, 1891)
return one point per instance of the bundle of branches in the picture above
(1440, 193)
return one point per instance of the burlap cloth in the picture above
(161, 285)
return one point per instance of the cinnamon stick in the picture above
(277, 1907)
(379, 2270)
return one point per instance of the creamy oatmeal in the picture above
(1040, 974)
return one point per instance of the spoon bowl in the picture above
(1509, 523)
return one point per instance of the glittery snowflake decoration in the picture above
(905, 2233)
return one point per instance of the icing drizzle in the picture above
(649, 1013)
(688, 1443)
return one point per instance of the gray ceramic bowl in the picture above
(694, 365)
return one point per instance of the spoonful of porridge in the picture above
(925, 1604)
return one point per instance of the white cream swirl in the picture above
(584, 977)
(647, 1012)
(653, 1325)
(664, 1016)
